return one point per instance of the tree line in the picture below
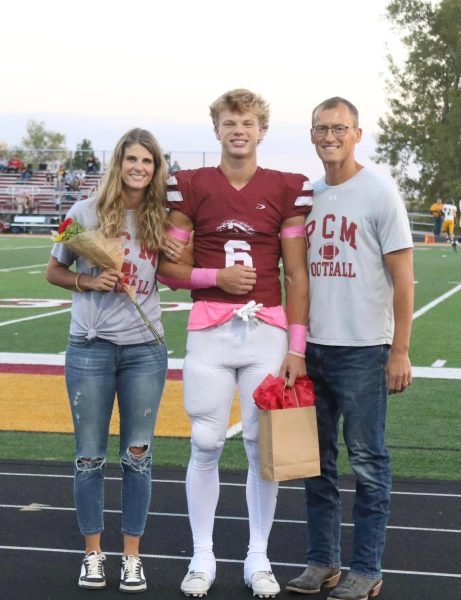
(420, 134)
(41, 145)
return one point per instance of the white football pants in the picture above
(240, 354)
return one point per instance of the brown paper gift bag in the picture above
(288, 443)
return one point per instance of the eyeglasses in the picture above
(320, 131)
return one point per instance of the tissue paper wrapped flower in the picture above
(102, 252)
(99, 251)
(272, 394)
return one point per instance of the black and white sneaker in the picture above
(92, 574)
(132, 576)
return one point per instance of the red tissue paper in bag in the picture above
(272, 393)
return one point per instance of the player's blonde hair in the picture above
(241, 101)
(151, 216)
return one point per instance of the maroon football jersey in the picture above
(240, 226)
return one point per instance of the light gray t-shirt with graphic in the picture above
(350, 228)
(111, 315)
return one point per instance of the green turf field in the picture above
(423, 423)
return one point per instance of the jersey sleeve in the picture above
(179, 192)
(298, 195)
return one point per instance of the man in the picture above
(244, 218)
(437, 214)
(449, 221)
(360, 314)
(175, 167)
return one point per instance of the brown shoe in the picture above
(356, 587)
(313, 578)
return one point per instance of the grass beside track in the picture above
(422, 436)
(423, 423)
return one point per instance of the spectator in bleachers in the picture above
(174, 167)
(59, 188)
(25, 202)
(68, 177)
(3, 164)
(75, 183)
(91, 166)
(61, 174)
(26, 173)
(58, 203)
(14, 165)
(50, 174)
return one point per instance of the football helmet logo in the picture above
(236, 227)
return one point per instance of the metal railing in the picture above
(52, 159)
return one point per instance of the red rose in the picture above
(64, 225)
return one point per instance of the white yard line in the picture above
(435, 302)
(437, 364)
(14, 321)
(9, 249)
(22, 268)
(22, 358)
(234, 430)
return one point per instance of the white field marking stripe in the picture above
(224, 518)
(55, 312)
(435, 373)
(24, 358)
(19, 358)
(438, 300)
(22, 268)
(36, 316)
(23, 248)
(219, 560)
(437, 364)
(234, 430)
(228, 484)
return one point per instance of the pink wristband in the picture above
(293, 231)
(298, 335)
(179, 234)
(199, 279)
(203, 278)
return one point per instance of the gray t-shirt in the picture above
(350, 228)
(111, 315)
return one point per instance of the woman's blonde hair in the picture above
(151, 216)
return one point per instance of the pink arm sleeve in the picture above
(179, 234)
(293, 231)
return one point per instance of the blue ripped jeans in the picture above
(97, 370)
(350, 381)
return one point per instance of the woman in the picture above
(111, 351)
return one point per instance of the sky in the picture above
(95, 68)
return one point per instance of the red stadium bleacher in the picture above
(42, 194)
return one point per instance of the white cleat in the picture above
(264, 584)
(196, 584)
